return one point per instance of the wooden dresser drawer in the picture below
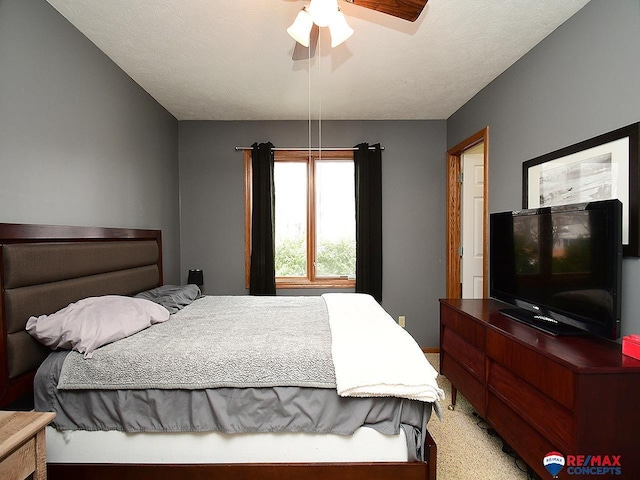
(468, 329)
(472, 388)
(557, 381)
(466, 354)
(519, 435)
(552, 420)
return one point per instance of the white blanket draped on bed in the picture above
(373, 356)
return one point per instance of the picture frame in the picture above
(600, 168)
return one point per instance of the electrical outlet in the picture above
(402, 320)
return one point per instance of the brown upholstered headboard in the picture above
(44, 268)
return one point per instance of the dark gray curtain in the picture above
(262, 273)
(368, 178)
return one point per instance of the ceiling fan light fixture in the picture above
(300, 29)
(323, 11)
(340, 29)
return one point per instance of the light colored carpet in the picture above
(466, 450)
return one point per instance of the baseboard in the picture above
(430, 349)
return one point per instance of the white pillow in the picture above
(95, 321)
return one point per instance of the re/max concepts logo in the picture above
(591, 465)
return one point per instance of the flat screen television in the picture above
(560, 267)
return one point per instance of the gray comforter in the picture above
(227, 410)
(217, 341)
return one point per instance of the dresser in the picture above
(542, 394)
(23, 444)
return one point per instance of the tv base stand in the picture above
(576, 395)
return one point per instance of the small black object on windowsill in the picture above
(196, 277)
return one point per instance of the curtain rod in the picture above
(315, 149)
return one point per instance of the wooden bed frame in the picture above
(44, 268)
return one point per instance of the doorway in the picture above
(467, 198)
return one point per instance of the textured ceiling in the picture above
(231, 60)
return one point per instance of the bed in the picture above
(45, 268)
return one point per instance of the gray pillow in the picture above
(95, 321)
(172, 297)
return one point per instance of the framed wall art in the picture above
(600, 168)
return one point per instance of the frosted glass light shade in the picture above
(323, 11)
(300, 29)
(340, 29)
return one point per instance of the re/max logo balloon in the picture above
(553, 462)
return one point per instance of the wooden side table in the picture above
(23, 444)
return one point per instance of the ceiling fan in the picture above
(326, 13)
(405, 9)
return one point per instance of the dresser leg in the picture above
(454, 393)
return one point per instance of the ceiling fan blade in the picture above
(300, 52)
(405, 9)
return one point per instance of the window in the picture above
(315, 231)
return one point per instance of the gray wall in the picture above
(413, 192)
(580, 82)
(80, 142)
